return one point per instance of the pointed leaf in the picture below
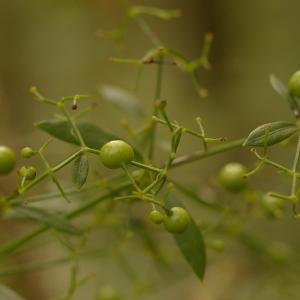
(7, 293)
(80, 170)
(53, 220)
(191, 243)
(93, 136)
(270, 134)
(122, 99)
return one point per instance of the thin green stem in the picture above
(73, 124)
(294, 169)
(198, 155)
(131, 178)
(267, 161)
(158, 178)
(165, 116)
(44, 175)
(146, 167)
(13, 245)
(188, 131)
(147, 31)
(155, 109)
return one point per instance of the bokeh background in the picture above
(54, 45)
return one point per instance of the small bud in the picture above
(217, 245)
(29, 173)
(27, 152)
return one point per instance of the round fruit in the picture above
(156, 217)
(29, 173)
(108, 293)
(27, 152)
(232, 177)
(294, 84)
(273, 206)
(7, 160)
(178, 221)
(115, 153)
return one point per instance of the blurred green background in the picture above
(54, 45)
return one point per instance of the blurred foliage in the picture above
(56, 45)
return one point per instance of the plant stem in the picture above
(198, 155)
(73, 125)
(294, 169)
(46, 173)
(146, 167)
(155, 109)
(147, 30)
(12, 246)
(131, 178)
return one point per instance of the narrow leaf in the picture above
(53, 220)
(93, 136)
(270, 134)
(191, 243)
(122, 99)
(8, 294)
(80, 171)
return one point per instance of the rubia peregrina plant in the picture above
(137, 177)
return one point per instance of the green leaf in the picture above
(8, 294)
(53, 220)
(80, 170)
(93, 136)
(270, 134)
(191, 243)
(122, 99)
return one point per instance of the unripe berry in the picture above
(7, 160)
(178, 221)
(29, 173)
(27, 152)
(115, 153)
(273, 206)
(156, 217)
(232, 177)
(294, 84)
(108, 293)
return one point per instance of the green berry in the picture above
(178, 221)
(294, 84)
(7, 160)
(273, 206)
(108, 293)
(29, 173)
(217, 245)
(27, 152)
(156, 217)
(23, 171)
(115, 153)
(232, 177)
